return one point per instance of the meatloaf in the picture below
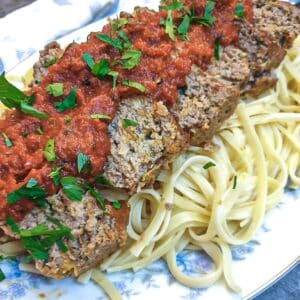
(137, 152)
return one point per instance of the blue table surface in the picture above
(288, 287)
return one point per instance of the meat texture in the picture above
(96, 234)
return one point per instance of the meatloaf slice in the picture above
(206, 103)
(96, 234)
(280, 19)
(137, 152)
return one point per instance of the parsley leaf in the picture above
(217, 48)
(128, 122)
(116, 204)
(12, 224)
(175, 5)
(239, 11)
(96, 195)
(100, 116)
(50, 62)
(208, 19)
(12, 97)
(68, 103)
(30, 110)
(117, 24)
(83, 163)
(31, 191)
(127, 43)
(49, 151)
(115, 43)
(102, 180)
(234, 182)
(169, 25)
(131, 59)
(135, 85)
(7, 141)
(183, 28)
(2, 276)
(71, 188)
(55, 175)
(55, 89)
(209, 165)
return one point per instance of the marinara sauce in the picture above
(162, 70)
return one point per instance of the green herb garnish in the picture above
(115, 43)
(72, 188)
(102, 180)
(31, 191)
(55, 175)
(68, 103)
(68, 119)
(49, 151)
(2, 276)
(239, 11)
(208, 19)
(116, 204)
(83, 163)
(131, 58)
(7, 141)
(12, 97)
(234, 182)
(128, 122)
(175, 5)
(183, 28)
(127, 43)
(135, 85)
(209, 165)
(117, 24)
(217, 48)
(39, 239)
(96, 195)
(169, 25)
(50, 62)
(39, 131)
(55, 89)
(100, 116)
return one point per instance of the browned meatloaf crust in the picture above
(210, 97)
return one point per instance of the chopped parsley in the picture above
(39, 239)
(169, 25)
(31, 191)
(100, 69)
(102, 180)
(68, 103)
(135, 85)
(217, 48)
(55, 175)
(55, 89)
(96, 195)
(68, 119)
(30, 110)
(126, 42)
(208, 19)
(115, 42)
(100, 117)
(49, 151)
(2, 276)
(72, 188)
(239, 11)
(183, 28)
(128, 122)
(12, 97)
(83, 163)
(50, 62)
(131, 58)
(39, 131)
(175, 5)
(234, 182)
(116, 204)
(209, 165)
(7, 141)
(117, 24)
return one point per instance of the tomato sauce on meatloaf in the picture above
(161, 71)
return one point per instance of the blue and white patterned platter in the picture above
(273, 251)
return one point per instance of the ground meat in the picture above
(48, 56)
(280, 19)
(138, 152)
(96, 234)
